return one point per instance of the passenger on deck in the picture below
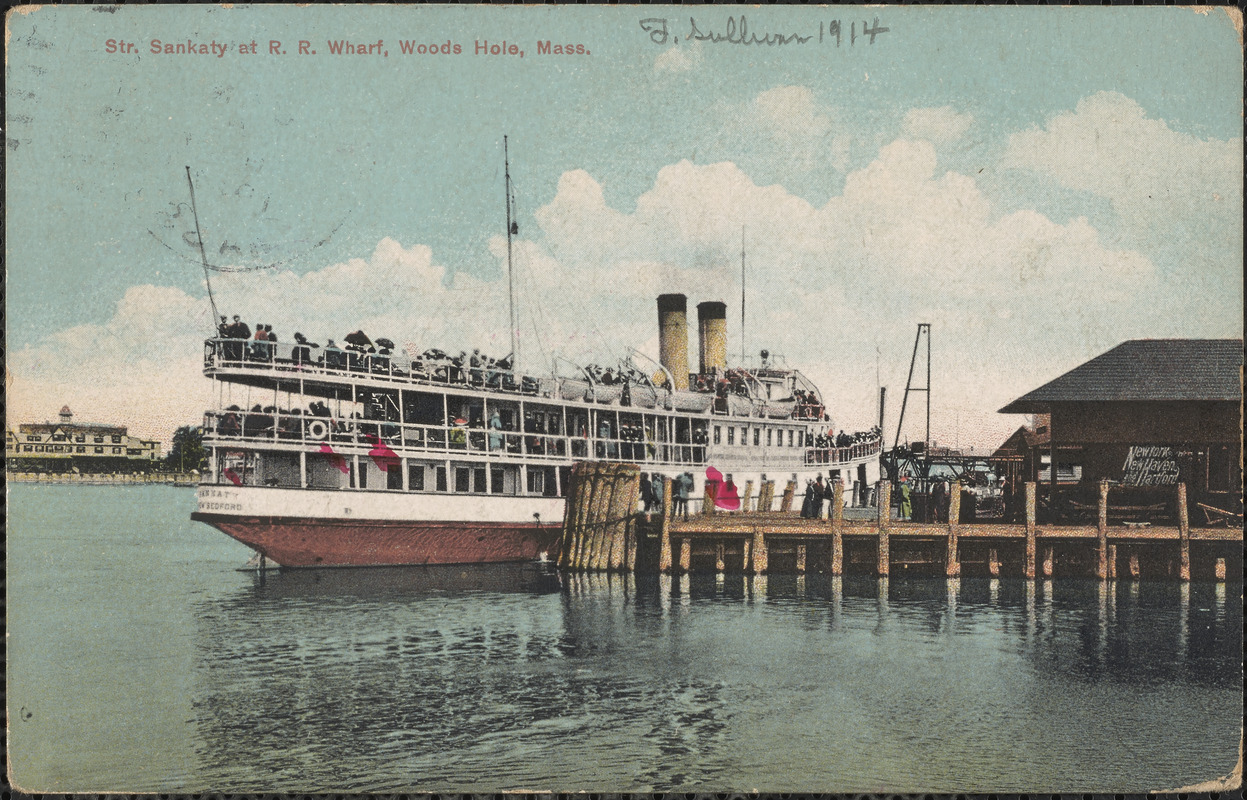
(259, 349)
(807, 507)
(647, 493)
(907, 508)
(335, 357)
(939, 502)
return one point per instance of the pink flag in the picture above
(233, 477)
(724, 495)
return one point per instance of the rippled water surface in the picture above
(141, 659)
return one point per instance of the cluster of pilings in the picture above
(600, 519)
(603, 531)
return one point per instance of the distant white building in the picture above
(68, 446)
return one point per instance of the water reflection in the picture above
(515, 677)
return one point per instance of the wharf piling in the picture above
(604, 530)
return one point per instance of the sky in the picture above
(1039, 184)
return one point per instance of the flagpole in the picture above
(202, 255)
(515, 355)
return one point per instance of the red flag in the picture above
(335, 459)
(382, 455)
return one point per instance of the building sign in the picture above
(1150, 465)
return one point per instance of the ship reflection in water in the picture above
(514, 677)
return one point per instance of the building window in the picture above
(30, 438)
(99, 450)
(744, 436)
(82, 449)
(790, 439)
(29, 448)
(757, 436)
(38, 448)
(731, 435)
(718, 431)
(116, 451)
(80, 438)
(769, 434)
(116, 440)
(99, 439)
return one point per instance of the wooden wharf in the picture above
(603, 531)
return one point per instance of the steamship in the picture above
(350, 458)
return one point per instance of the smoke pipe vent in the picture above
(712, 336)
(673, 337)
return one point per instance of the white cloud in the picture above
(1152, 174)
(789, 131)
(679, 59)
(828, 285)
(936, 125)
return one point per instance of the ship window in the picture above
(463, 479)
(541, 481)
(769, 433)
(415, 477)
(496, 480)
(478, 480)
(718, 433)
(744, 436)
(757, 436)
(441, 478)
(790, 439)
(731, 435)
(394, 478)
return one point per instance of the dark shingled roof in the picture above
(1148, 370)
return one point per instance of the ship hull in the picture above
(308, 542)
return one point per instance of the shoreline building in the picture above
(1144, 416)
(84, 447)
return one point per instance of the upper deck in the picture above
(334, 372)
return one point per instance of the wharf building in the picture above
(1144, 417)
(83, 447)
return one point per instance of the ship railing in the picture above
(304, 359)
(321, 433)
(842, 455)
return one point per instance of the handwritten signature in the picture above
(736, 31)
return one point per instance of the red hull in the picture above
(295, 542)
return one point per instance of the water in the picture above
(141, 660)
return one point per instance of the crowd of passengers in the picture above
(828, 440)
(361, 353)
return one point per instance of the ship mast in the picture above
(512, 228)
(743, 351)
(203, 256)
